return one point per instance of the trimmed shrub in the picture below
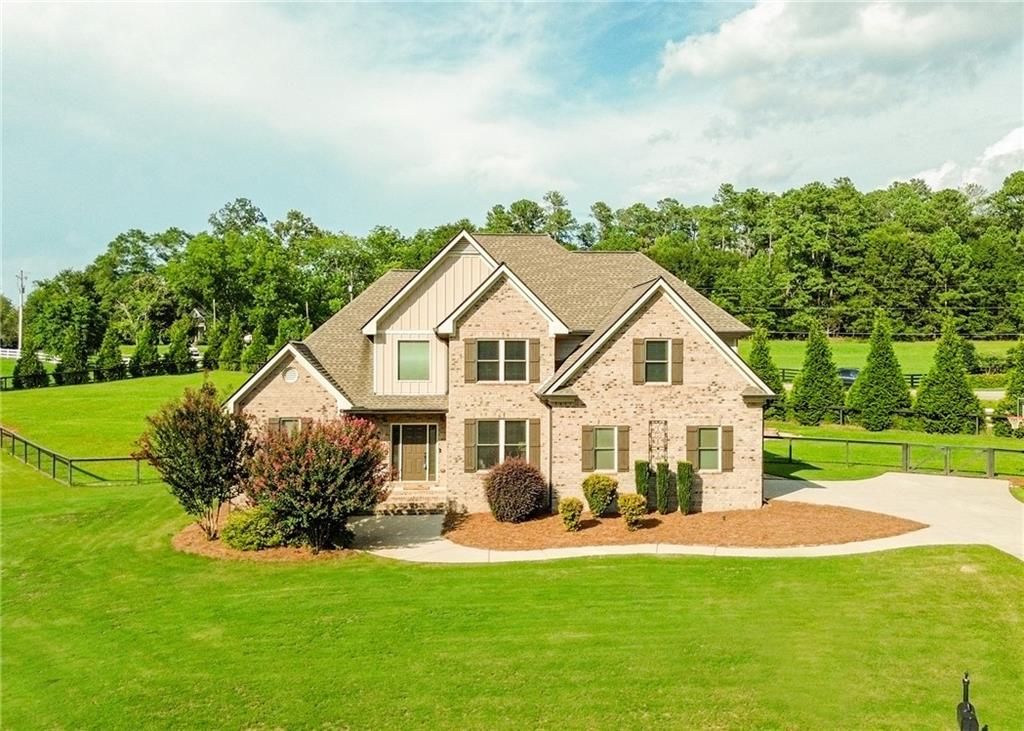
(632, 508)
(661, 488)
(880, 390)
(599, 490)
(251, 530)
(684, 486)
(570, 508)
(515, 490)
(762, 363)
(643, 477)
(817, 389)
(313, 479)
(945, 402)
(29, 371)
(201, 451)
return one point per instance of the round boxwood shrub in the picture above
(632, 508)
(515, 490)
(599, 490)
(570, 508)
(251, 530)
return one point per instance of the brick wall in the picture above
(274, 397)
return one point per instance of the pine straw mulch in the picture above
(779, 524)
(191, 539)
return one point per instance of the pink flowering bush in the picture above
(312, 480)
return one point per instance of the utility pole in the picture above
(21, 306)
(351, 284)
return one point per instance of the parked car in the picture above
(848, 376)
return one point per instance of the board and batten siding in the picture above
(457, 275)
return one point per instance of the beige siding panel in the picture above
(385, 377)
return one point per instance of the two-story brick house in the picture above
(511, 345)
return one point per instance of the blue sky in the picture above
(148, 116)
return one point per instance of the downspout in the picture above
(551, 452)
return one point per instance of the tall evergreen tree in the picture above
(880, 390)
(29, 372)
(178, 358)
(289, 328)
(109, 363)
(1011, 402)
(763, 365)
(256, 353)
(817, 389)
(231, 351)
(74, 361)
(146, 358)
(945, 402)
(214, 342)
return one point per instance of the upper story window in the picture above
(656, 361)
(501, 360)
(413, 360)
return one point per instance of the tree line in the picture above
(822, 252)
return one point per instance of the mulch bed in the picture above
(779, 524)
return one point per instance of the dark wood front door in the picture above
(414, 452)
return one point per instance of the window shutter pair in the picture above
(639, 357)
(693, 437)
(470, 361)
(677, 361)
(470, 446)
(469, 456)
(534, 354)
(534, 447)
(587, 449)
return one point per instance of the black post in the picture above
(966, 717)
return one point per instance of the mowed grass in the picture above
(828, 461)
(914, 357)
(106, 626)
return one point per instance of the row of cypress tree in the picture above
(945, 401)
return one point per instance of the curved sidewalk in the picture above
(957, 510)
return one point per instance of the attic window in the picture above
(291, 375)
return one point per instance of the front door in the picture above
(414, 452)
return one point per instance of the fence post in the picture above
(790, 450)
(71, 472)
(906, 456)
(53, 465)
(990, 462)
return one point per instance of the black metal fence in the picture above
(77, 470)
(898, 456)
(912, 379)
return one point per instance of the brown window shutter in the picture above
(534, 345)
(622, 443)
(273, 425)
(470, 362)
(727, 449)
(692, 437)
(639, 355)
(534, 447)
(677, 361)
(305, 422)
(587, 449)
(470, 444)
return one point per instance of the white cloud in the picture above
(988, 169)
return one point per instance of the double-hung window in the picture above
(605, 448)
(501, 360)
(656, 361)
(413, 360)
(708, 448)
(498, 440)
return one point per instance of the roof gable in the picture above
(301, 355)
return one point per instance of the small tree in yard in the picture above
(29, 372)
(945, 402)
(817, 389)
(880, 390)
(1010, 403)
(109, 363)
(257, 353)
(312, 480)
(230, 357)
(201, 451)
(178, 358)
(763, 365)
(74, 361)
(146, 358)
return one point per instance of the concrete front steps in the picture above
(414, 501)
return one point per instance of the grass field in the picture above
(827, 461)
(105, 626)
(914, 357)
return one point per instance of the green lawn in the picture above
(914, 357)
(827, 461)
(105, 626)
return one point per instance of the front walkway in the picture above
(958, 510)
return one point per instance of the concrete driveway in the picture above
(958, 510)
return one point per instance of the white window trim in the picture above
(501, 361)
(501, 440)
(697, 466)
(437, 447)
(398, 359)
(615, 450)
(668, 361)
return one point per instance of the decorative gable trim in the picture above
(555, 325)
(288, 349)
(661, 286)
(370, 328)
